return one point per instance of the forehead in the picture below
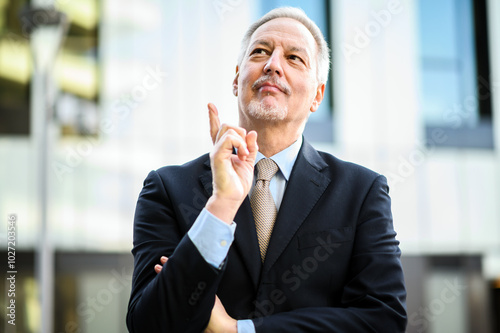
(286, 31)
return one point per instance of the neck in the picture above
(273, 137)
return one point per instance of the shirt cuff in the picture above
(246, 326)
(212, 237)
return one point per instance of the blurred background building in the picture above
(414, 94)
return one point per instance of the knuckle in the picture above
(224, 127)
(231, 132)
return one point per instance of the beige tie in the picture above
(263, 206)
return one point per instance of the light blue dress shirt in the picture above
(213, 238)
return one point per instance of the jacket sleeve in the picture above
(374, 296)
(180, 298)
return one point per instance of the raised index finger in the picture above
(213, 115)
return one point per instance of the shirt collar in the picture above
(285, 159)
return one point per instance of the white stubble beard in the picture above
(260, 111)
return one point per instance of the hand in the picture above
(220, 321)
(232, 174)
(158, 267)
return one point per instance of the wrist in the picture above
(224, 209)
(232, 326)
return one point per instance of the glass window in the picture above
(455, 72)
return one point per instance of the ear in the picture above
(235, 82)
(320, 92)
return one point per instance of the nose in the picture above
(273, 65)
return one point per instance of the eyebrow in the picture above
(298, 49)
(261, 42)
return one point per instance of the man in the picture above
(308, 247)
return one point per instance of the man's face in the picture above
(277, 79)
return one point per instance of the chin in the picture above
(270, 112)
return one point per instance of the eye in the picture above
(259, 51)
(295, 58)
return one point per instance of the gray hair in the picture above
(323, 57)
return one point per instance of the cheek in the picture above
(300, 80)
(303, 96)
(303, 90)
(308, 87)
(249, 73)
(245, 85)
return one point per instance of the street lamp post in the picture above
(46, 28)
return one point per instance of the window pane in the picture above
(447, 52)
(452, 74)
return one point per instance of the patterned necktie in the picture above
(263, 206)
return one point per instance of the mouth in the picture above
(270, 85)
(269, 88)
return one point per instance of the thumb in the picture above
(213, 116)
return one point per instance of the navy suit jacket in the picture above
(333, 262)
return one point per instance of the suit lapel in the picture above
(304, 188)
(245, 238)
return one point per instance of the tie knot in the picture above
(266, 168)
